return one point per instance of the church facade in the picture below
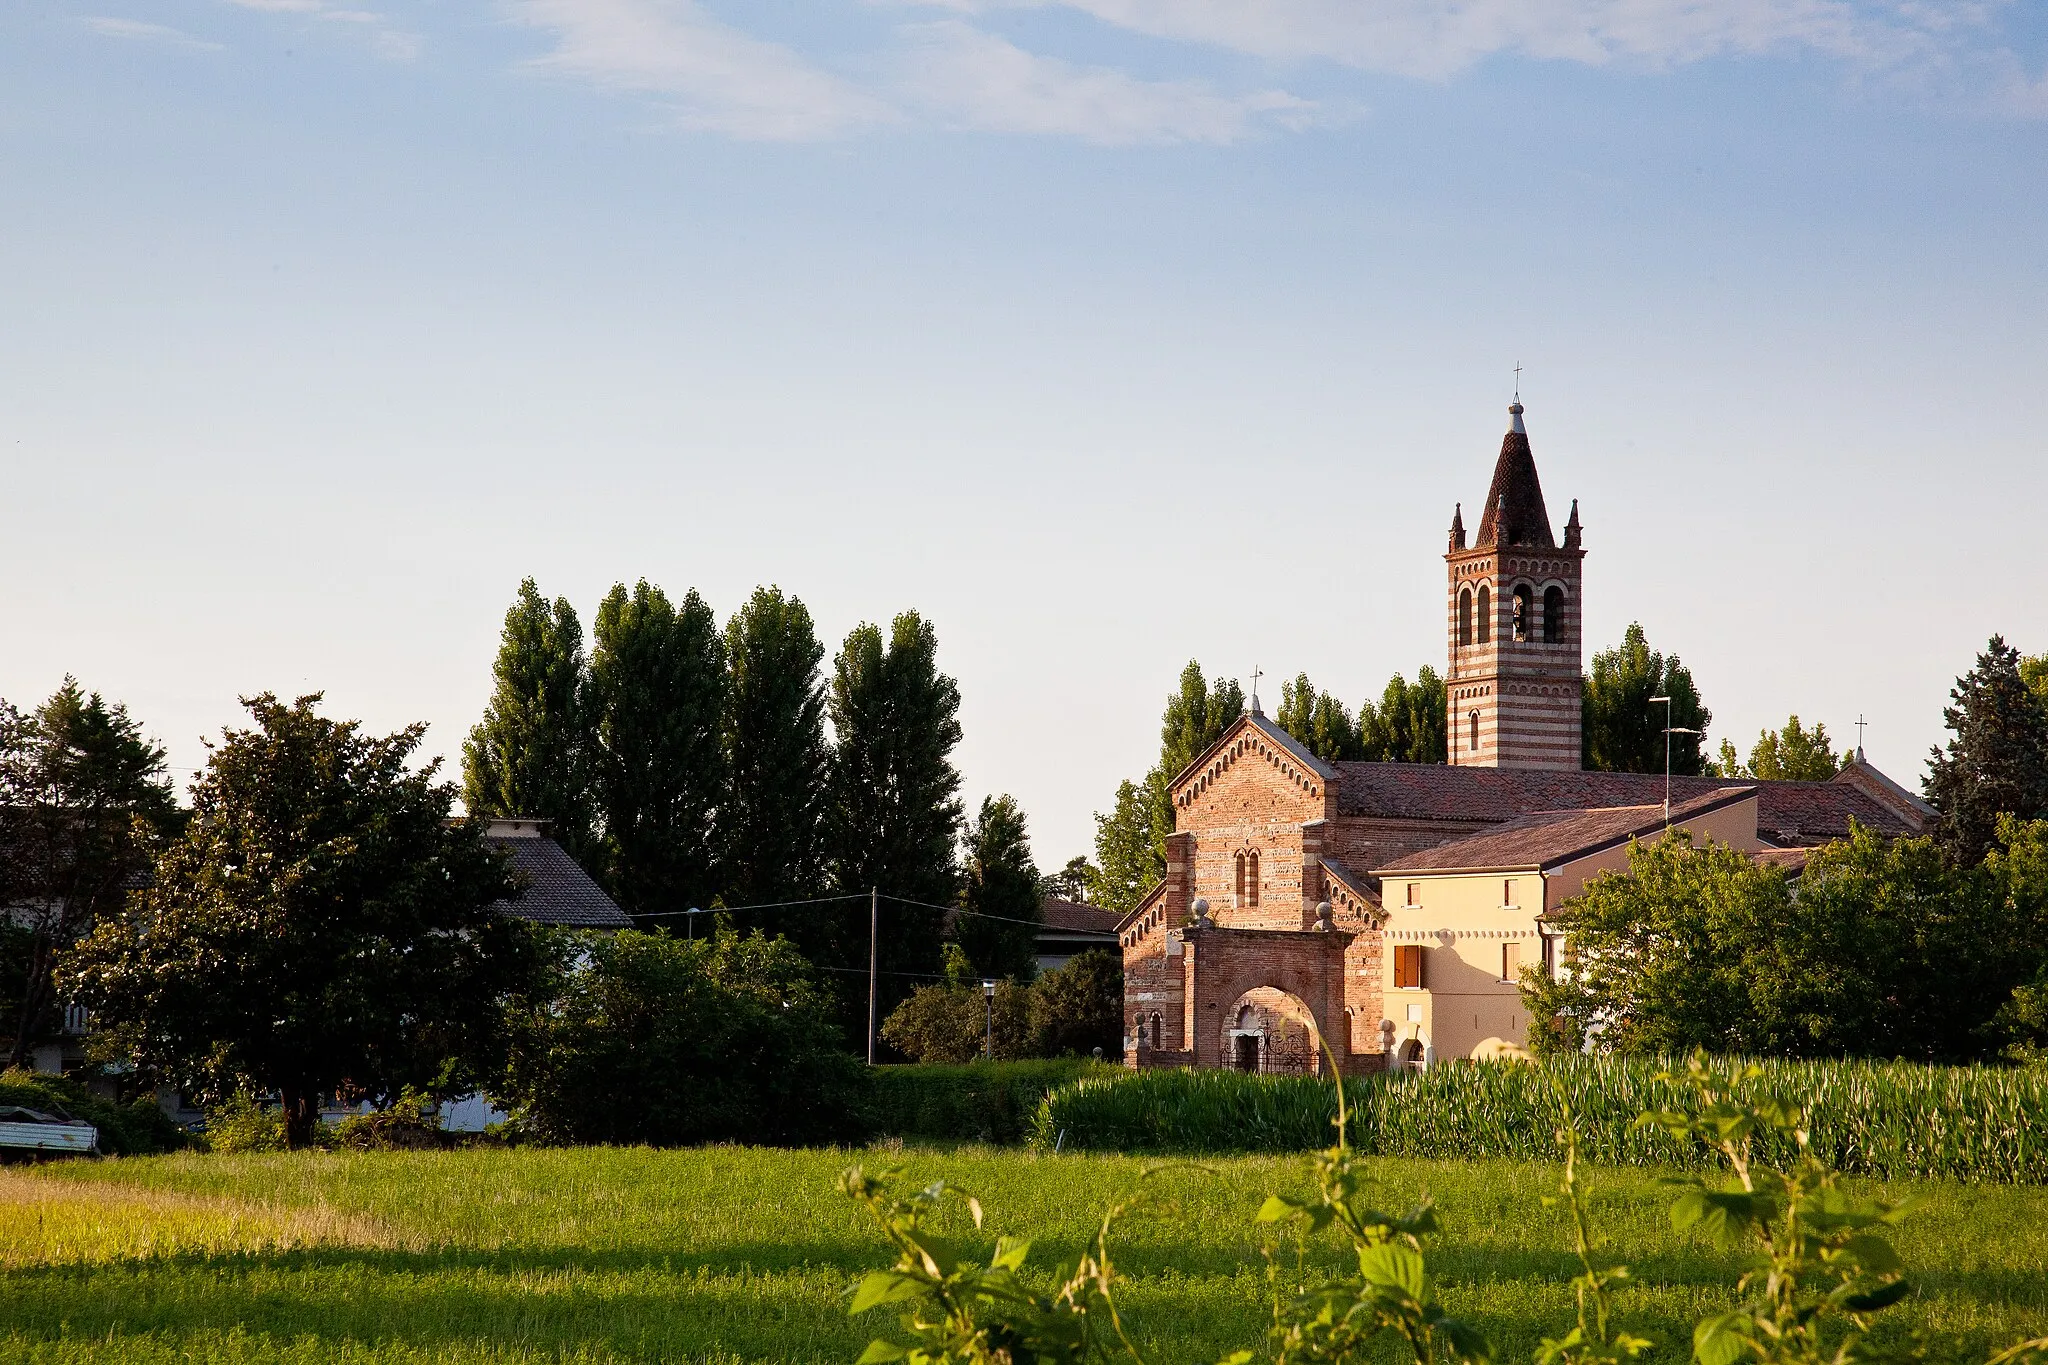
(1272, 924)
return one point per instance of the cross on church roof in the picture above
(1256, 675)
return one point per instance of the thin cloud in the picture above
(713, 76)
(977, 80)
(1432, 40)
(137, 31)
(392, 45)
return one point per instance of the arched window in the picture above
(1485, 613)
(1474, 720)
(1245, 1018)
(1157, 1038)
(1553, 616)
(1240, 879)
(1251, 878)
(1464, 616)
(1525, 612)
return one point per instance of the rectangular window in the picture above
(1507, 891)
(1408, 967)
(1511, 961)
(1414, 894)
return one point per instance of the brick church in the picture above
(1392, 906)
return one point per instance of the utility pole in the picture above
(874, 919)
(1669, 731)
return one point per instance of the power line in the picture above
(734, 909)
(956, 910)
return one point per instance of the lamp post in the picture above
(1669, 731)
(988, 995)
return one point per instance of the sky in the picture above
(1107, 334)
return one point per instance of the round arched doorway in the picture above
(1268, 1030)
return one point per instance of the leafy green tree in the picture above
(1410, 724)
(2018, 872)
(1072, 882)
(1079, 1007)
(1996, 762)
(1622, 730)
(772, 828)
(1130, 841)
(1791, 754)
(893, 817)
(950, 1023)
(655, 699)
(322, 925)
(2034, 673)
(1319, 721)
(1657, 954)
(1002, 884)
(646, 1038)
(83, 798)
(1127, 865)
(527, 756)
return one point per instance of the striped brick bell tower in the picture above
(1515, 646)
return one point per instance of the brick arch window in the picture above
(1525, 612)
(1248, 877)
(1485, 613)
(1464, 616)
(1157, 1040)
(1473, 721)
(1553, 615)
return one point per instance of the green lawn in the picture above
(732, 1254)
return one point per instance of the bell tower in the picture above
(1515, 646)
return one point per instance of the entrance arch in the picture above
(1269, 1030)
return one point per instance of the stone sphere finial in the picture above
(1323, 920)
(1200, 911)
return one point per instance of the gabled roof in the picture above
(1516, 494)
(1549, 838)
(1787, 812)
(1279, 738)
(554, 889)
(1072, 917)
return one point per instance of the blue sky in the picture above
(1108, 334)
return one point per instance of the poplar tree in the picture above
(771, 832)
(1622, 730)
(655, 699)
(892, 819)
(1130, 841)
(1001, 883)
(1996, 761)
(1410, 724)
(1318, 720)
(528, 755)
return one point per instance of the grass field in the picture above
(733, 1254)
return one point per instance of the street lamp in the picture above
(1669, 731)
(988, 995)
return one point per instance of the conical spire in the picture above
(1571, 528)
(1458, 527)
(1515, 514)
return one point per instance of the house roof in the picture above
(554, 890)
(1787, 812)
(1515, 514)
(1546, 838)
(1072, 917)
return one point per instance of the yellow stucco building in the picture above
(1463, 919)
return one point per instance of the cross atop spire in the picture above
(1256, 675)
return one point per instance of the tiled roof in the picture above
(1793, 860)
(1515, 489)
(1075, 918)
(1787, 812)
(1547, 838)
(556, 890)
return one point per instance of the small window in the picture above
(1549, 957)
(1408, 967)
(1507, 892)
(1251, 878)
(1474, 721)
(1240, 879)
(1157, 1037)
(1553, 616)
(1525, 611)
(1485, 614)
(1465, 616)
(1414, 893)
(1511, 961)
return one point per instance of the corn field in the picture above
(1883, 1119)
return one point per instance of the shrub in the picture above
(952, 1024)
(977, 1102)
(1080, 1007)
(650, 1039)
(1884, 1119)
(137, 1128)
(411, 1123)
(243, 1123)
